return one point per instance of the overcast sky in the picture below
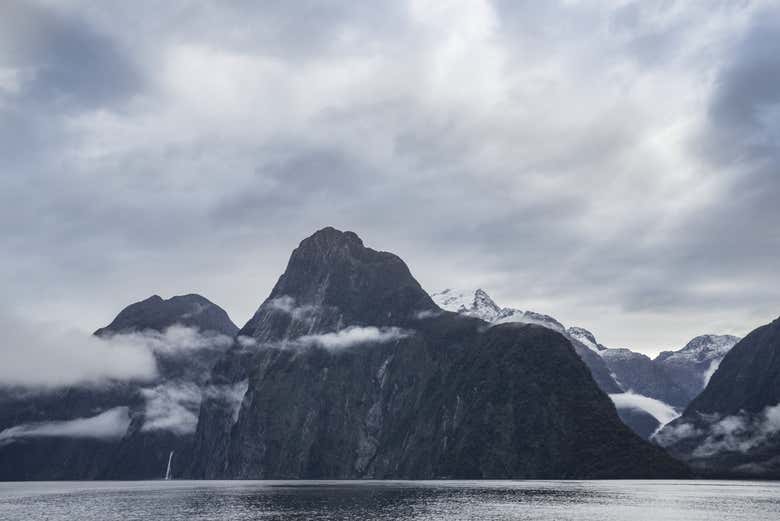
(613, 164)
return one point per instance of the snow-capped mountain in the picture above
(586, 337)
(478, 304)
(693, 365)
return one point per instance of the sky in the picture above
(613, 164)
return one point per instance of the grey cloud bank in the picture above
(613, 164)
(39, 354)
(47, 355)
(110, 424)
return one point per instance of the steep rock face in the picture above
(450, 401)
(140, 452)
(733, 426)
(692, 366)
(354, 372)
(332, 281)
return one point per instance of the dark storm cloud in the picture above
(573, 158)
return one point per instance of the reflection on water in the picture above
(383, 500)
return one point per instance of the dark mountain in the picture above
(143, 450)
(478, 304)
(733, 426)
(353, 372)
(673, 379)
(158, 314)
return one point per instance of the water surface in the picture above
(384, 500)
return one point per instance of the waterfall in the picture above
(168, 470)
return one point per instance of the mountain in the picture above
(646, 392)
(479, 304)
(733, 426)
(352, 371)
(585, 337)
(637, 373)
(692, 366)
(63, 433)
(158, 314)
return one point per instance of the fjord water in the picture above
(390, 500)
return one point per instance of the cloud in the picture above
(49, 355)
(174, 339)
(426, 314)
(52, 355)
(711, 370)
(593, 182)
(230, 395)
(108, 425)
(287, 304)
(174, 407)
(715, 434)
(246, 341)
(661, 411)
(352, 336)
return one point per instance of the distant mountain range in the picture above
(647, 393)
(350, 370)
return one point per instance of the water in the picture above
(384, 500)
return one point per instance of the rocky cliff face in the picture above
(352, 371)
(45, 434)
(733, 426)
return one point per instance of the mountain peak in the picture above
(481, 298)
(330, 237)
(158, 314)
(337, 280)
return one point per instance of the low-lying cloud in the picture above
(659, 410)
(48, 355)
(174, 339)
(108, 425)
(174, 407)
(711, 370)
(352, 336)
(287, 304)
(716, 434)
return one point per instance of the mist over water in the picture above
(396, 500)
